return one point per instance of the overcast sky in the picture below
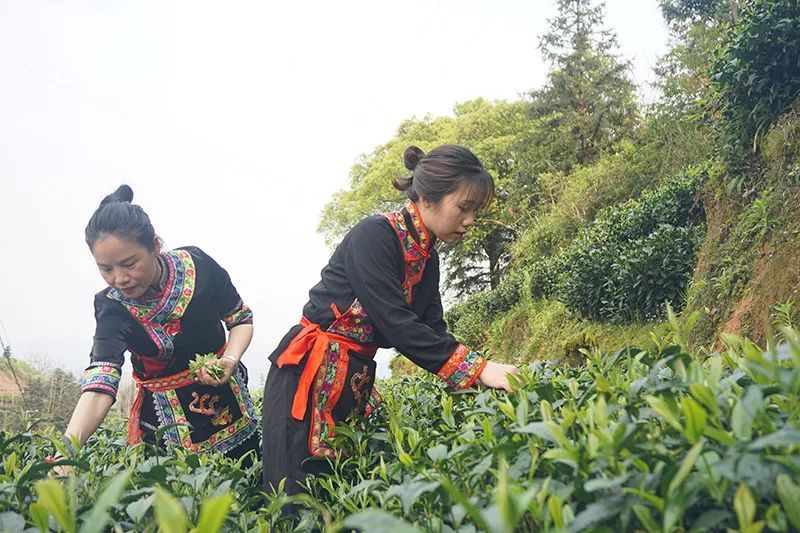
(234, 123)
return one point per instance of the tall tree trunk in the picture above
(494, 272)
(492, 246)
(734, 11)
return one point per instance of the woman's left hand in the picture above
(59, 470)
(228, 363)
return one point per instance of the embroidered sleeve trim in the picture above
(462, 368)
(241, 314)
(101, 377)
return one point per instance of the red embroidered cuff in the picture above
(462, 368)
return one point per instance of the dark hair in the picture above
(443, 170)
(119, 217)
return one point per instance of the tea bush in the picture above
(666, 439)
(662, 440)
(632, 259)
(469, 320)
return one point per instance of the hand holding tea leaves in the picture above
(210, 369)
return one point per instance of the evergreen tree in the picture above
(589, 101)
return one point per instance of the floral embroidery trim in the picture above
(241, 314)
(160, 316)
(101, 377)
(330, 381)
(415, 253)
(354, 324)
(419, 226)
(462, 368)
(375, 399)
(170, 411)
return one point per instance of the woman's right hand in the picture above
(495, 375)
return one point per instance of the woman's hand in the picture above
(59, 470)
(228, 364)
(238, 341)
(495, 375)
(62, 470)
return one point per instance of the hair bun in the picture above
(411, 157)
(122, 194)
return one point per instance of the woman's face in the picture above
(126, 265)
(451, 217)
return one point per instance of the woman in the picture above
(379, 289)
(165, 308)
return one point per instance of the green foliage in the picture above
(546, 329)
(680, 14)
(573, 200)
(50, 397)
(660, 439)
(634, 280)
(469, 320)
(631, 259)
(747, 258)
(756, 76)
(210, 362)
(780, 150)
(113, 486)
(677, 124)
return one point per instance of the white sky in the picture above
(234, 123)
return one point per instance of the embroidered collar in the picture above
(419, 232)
(160, 313)
(172, 299)
(416, 243)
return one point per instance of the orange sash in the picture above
(311, 337)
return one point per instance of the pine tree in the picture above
(589, 101)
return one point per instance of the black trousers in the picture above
(285, 440)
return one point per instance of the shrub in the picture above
(469, 320)
(756, 75)
(637, 440)
(632, 259)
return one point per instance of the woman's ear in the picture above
(156, 245)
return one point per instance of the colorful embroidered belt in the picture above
(171, 382)
(312, 338)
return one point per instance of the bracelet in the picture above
(230, 358)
